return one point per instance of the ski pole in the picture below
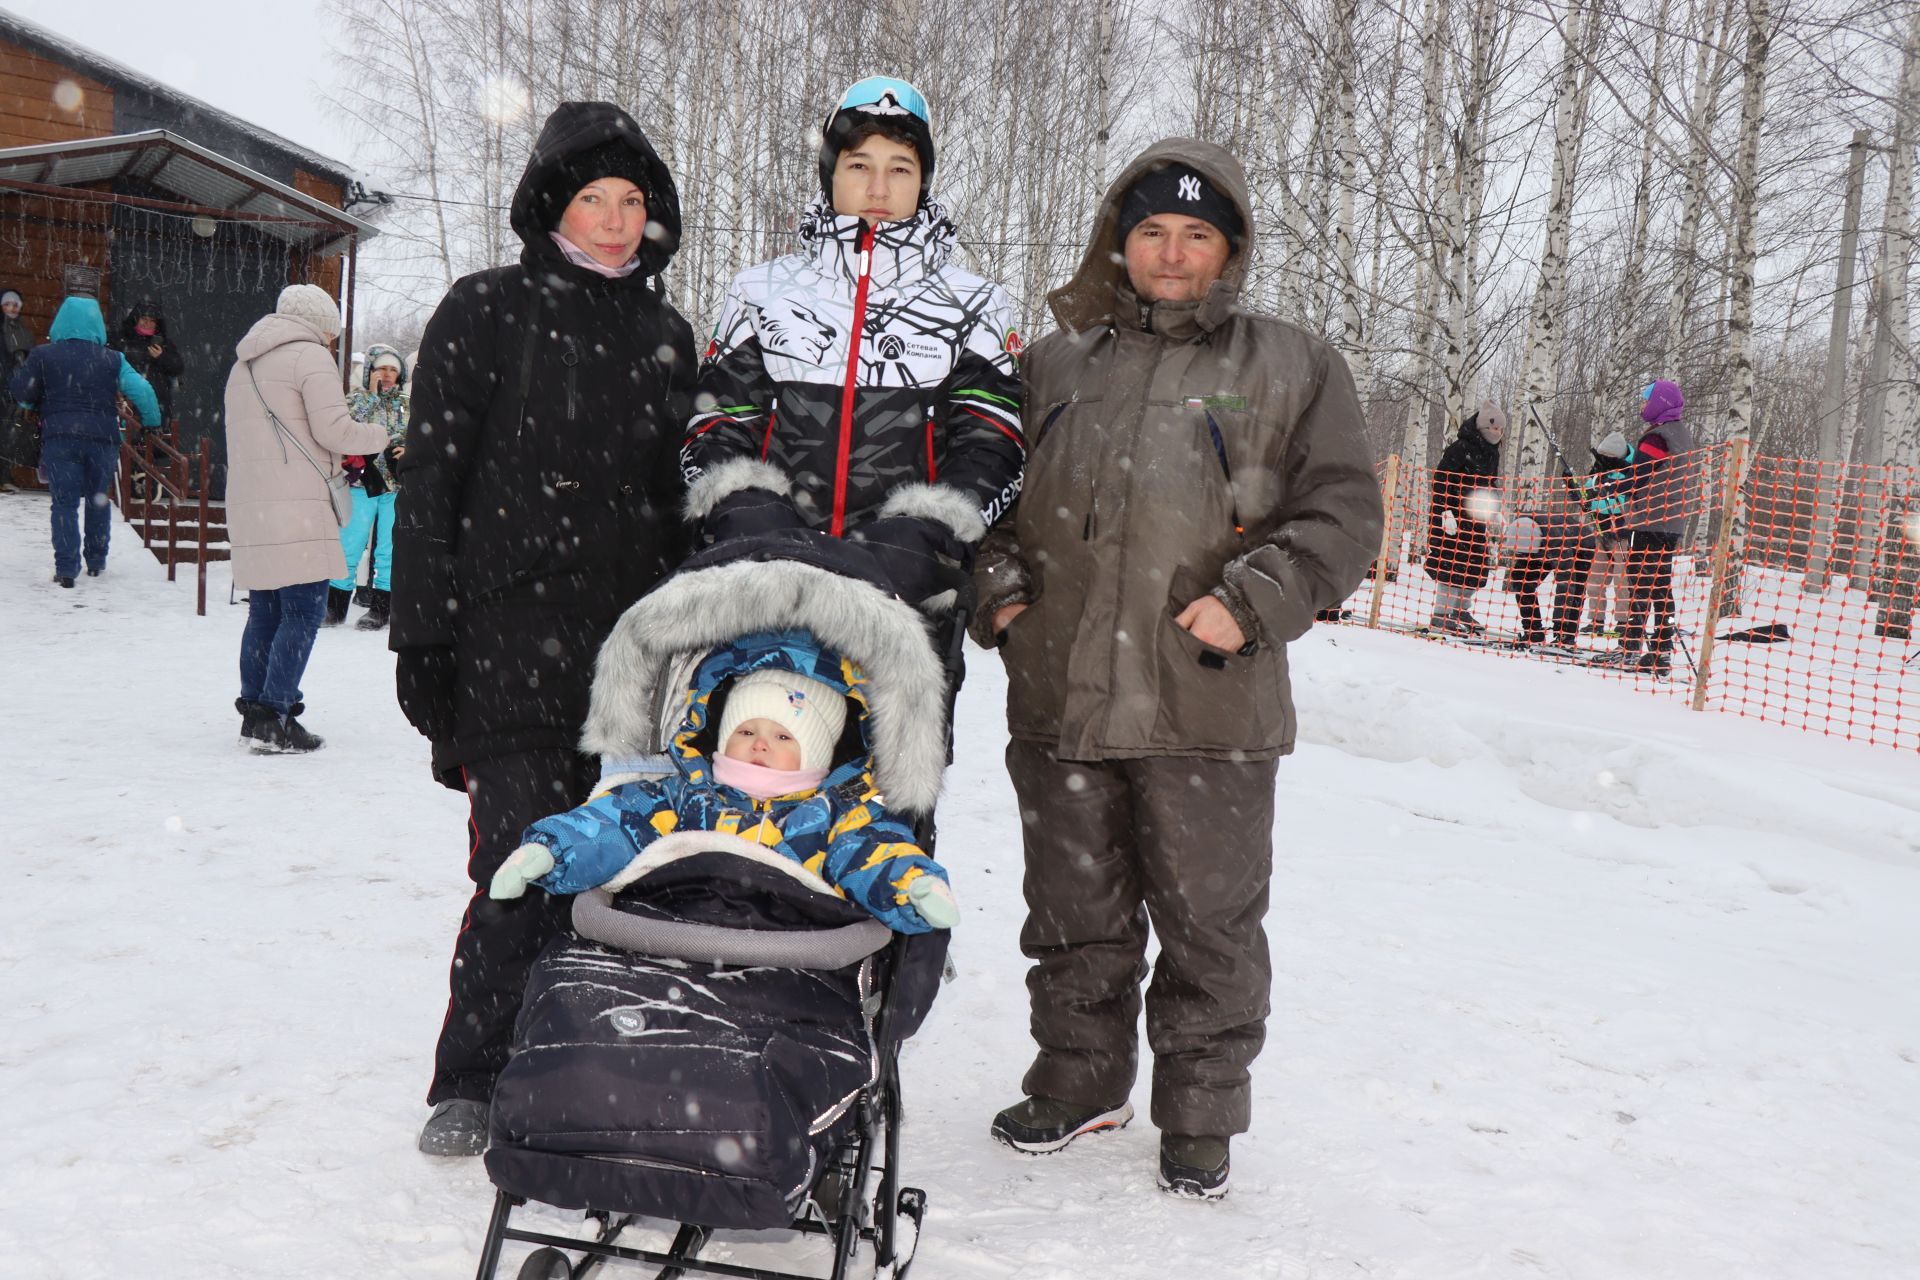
(1572, 482)
(1682, 642)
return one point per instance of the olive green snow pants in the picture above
(1185, 843)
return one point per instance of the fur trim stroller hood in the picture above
(794, 581)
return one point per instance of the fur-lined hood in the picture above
(671, 650)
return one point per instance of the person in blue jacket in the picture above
(769, 776)
(74, 379)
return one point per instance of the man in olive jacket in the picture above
(1198, 488)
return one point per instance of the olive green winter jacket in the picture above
(1176, 449)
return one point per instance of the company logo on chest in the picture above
(913, 350)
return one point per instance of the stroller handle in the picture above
(597, 919)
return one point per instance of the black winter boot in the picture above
(379, 607)
(1039, 1126)
(1194, 1167)
(337, 602)
(284, 735)
(457, 1127)
(254, 717)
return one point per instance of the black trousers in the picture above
(1524, 578)
(499, 941)
(1650, 607)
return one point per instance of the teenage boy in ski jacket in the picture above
(1200, 487)
(864, 386)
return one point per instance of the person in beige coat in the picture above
(1198, 488)
(287, 430)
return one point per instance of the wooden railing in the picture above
(184, 480)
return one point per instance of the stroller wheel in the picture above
(545, 1264)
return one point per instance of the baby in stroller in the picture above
(757, 929)
(772, 780)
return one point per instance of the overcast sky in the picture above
(264, 61)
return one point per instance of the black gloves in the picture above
(922, 557)
(424, 679)
(749, 511)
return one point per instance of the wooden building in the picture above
(174, 202)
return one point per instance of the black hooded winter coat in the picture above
(160, 370)
(1462, 558)
(539, 489)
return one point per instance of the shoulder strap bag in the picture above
(339, 492)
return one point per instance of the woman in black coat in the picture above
(539, 497)
(1459, 555)
(145, 343)
(19, 446)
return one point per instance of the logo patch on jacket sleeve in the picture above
(1222, 401)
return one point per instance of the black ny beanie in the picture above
(1181, 189)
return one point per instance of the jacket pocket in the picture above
(1036, 666)
(1058, 487)
(1212, 698)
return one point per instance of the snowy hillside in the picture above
(1569, 982)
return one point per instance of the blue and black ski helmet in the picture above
(883, 100)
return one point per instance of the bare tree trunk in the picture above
(1464, 195)
(1896, 256)
(1741, 256)
(1707, 67)
(1352, 342)
(1425, 323)
(1543, 340)
(1609, 404)
(1103, 70)
(1295, 267)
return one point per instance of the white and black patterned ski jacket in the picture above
(863, 378)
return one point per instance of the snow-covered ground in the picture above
(1570, 982)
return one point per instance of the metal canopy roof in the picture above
(198, 177)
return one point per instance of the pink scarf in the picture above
(581, 258)
(762, 783)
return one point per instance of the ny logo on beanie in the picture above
(1190, 188)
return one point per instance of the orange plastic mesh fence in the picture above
(1613, 574)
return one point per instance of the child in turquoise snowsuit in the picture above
(771, 780)
(382, 398)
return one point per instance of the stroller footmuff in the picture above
(716, 1046)
(665, 1081)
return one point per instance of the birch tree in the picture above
(1611, 403)
(1413, 445)
(1710, 59)
(1741, 257)
(1543, 348)
(1465, 184)
(1902, 422)
(1340, 60)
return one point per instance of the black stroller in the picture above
(718, 1047)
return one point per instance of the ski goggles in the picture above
(886, 96)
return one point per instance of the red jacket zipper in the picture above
(853, 376)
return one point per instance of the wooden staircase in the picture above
(151, 521)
